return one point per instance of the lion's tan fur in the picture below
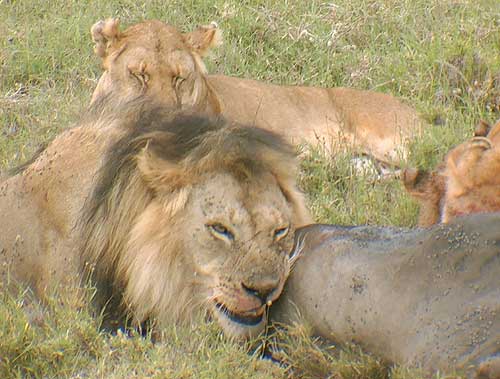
(119, 197)
(171, 64)
(467, 181)
(156, 58)
(472, 176)
(427, 187)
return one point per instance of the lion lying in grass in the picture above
(170, 215)
(425, 298)
(466, 182)
(154, 58)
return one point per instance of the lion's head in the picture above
(155, 59)
(191, 215)
(466, 182)
(472, 175)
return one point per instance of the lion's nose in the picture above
(263, 289)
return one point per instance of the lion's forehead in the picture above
(258, 203)
(153, 34)
(153, 57)
(153, 44)
(269, 208)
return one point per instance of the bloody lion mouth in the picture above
(249, 320)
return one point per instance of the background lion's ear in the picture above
(204, 38)
(104, 34)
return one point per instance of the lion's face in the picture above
(241, 247)
(472, 178)
(466, 182)
(154, 59)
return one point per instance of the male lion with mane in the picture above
(155, 58)
(171, 216)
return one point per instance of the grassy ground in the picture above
(441, 56)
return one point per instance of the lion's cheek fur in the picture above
(159, 283)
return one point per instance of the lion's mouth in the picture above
(249, 318)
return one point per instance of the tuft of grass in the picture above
(50, 340)
(306, 357)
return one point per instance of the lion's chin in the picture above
(239, 327)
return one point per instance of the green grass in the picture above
(441, 56)
(65, 342)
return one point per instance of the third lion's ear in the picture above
(204, 38)
(105, 34)
(482, 129)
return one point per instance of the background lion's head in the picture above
(155, 59)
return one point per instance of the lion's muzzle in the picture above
(242, 307)
(249, 318)
(266, 290)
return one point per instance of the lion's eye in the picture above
(141, 77)
(281, 233)
(139, 73)
(220, 231)
(178, 81)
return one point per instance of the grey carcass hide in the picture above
(423, 297)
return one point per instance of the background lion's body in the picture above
(333, 119)
(368, 122)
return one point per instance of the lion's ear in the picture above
(204, 38)
(482, 129)
(105, 34)
(421, 183)
(456, 181)
(493, 133)
(297, 200)
(166, 179)
(159, 174)
(410, 178)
